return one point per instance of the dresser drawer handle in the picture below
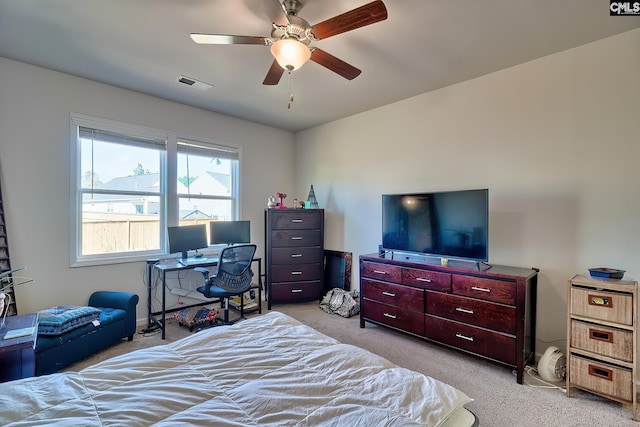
(391, 316)
(605, 336)
(296, 238)
(296, 291)
(422, 279)
(296, 255)
(464, 310)
(296, 273)
(389, 294)
(464, 337)
(600, 301)
(379, 272)
(604, 373)
(475, 288)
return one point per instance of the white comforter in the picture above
(270, 370)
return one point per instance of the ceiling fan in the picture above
(291, 37)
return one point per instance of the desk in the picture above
(17, 355)
(165, 266)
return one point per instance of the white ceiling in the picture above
(144, 45)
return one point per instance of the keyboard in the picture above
(196, 261)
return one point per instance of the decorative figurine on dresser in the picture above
(294, 254)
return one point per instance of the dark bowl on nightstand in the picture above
(606, 273)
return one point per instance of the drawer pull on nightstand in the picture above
(379, 272)
(422, 279)
(464, 310)
(597, 371)
(600, 301)
(392, 316)
(296, 291)
(475, 288)
(296, 255)
(296, 273)
(296, 238)
(464, 337)
(605, 336)
(296, 221)
(389, 294)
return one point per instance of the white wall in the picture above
(35, 106)
(555, 141)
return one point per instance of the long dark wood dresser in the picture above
(488, 311)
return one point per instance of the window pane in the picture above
(114, 218)
(112, 224)
(204, 175)
(192, 208)
(119, 167)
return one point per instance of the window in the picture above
(122, 204)
(206, 189)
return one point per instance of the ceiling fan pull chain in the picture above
(290, 90)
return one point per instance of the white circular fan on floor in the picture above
(552, 365)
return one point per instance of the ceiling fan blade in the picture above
(228, 39)
(334, 64)
(274, 74)
(356, 18)
(275, 12)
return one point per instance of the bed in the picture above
(270, 370)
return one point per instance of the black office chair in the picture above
(232, 278)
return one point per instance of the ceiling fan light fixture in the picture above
(290, 53)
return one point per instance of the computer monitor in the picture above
(229, 232)
(187, 238)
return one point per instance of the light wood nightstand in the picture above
(601, 335)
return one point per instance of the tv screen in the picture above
(187, 238)
(448, 224)
(229, 232)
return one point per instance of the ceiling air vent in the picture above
(194, 83)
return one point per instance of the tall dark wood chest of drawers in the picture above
(294, 256)
(488, 311)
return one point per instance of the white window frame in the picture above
(227, 152)
(169, 200)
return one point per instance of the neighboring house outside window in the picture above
(122, 204)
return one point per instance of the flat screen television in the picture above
(447, 224)
(229, 232)
(187, 238)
